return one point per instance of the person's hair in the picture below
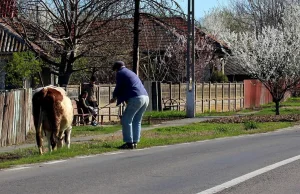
(93, 78)
(117, 65)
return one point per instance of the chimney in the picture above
(8, 8)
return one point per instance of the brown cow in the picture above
(53, 115)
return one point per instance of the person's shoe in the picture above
(134, 145)
(126, 146)
(94, 123)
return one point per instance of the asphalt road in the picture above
(183, 168)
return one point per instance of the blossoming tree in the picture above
(272, 55)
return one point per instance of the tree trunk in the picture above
(63, 80)
(65, 72)
(277, 107)
(135, 58)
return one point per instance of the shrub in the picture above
(250, 125)
(218, 76)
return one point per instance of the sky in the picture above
(202, 6)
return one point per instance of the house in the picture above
(234, 71)
(11, 41)
(162, 47)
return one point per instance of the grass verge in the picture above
(155, 137)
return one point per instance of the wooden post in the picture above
(202, 97)
(229, 100)
(243, 93)
(79, 89)
(209, 96)
(216, 95)
(99, 102)
(241, 96)
(179, 96)
(102, 119)
(223, 97)
(235, 96)
(196, 97)
(109, 97)
(170, 90)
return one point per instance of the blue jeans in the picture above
(132, 118)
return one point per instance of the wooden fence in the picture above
(15, 116)
(218, 97)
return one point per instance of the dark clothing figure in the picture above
(91, 97)
(86, 108)
(83, 104)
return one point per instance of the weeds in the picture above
(249, 125)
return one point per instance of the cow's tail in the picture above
(39, 139)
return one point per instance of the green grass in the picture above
(94, 130)
(181, 114)
(282, 111)
(155, 137)
(214, 113)
(165, 114)
(293, 101)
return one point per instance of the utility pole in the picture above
(190, 94)
(136, 31)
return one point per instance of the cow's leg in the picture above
(49, 138)
(39, 138)
(60, 139)
(68, 136)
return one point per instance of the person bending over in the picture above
(130, 89)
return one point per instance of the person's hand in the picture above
(113, 100)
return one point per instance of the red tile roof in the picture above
(155, 33)
(8, 8)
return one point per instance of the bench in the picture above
(173, 104)
(79, 117)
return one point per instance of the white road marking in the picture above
(248, 176)
(113, 153)
(90, 156)
(55, 162)
(19, 168)
(185, 143)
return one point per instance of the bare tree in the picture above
(154, 8)
(169, 62)
(62, 32)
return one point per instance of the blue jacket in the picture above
(128, 86)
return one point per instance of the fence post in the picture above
(202, 97)
(243, 93)
(235, 97)
(229, 100)
(240, 96)
(99, 102)
(195, 97)
(216, 95)
(151, 93)
(79, 89)
(109, 97)
(179, 96)
(170, 90)
(223, 97)
(209, 96)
